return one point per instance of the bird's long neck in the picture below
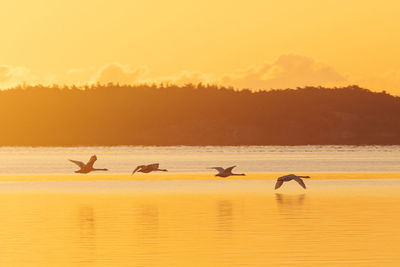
(238, 174)
(162, 170)
(99, 169)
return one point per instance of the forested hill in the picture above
(196, 115)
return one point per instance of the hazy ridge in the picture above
(196, 115)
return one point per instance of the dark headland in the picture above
(196, 115)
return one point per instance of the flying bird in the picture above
(288, 178)
(149, 168)
(226, 172)
(88, 167)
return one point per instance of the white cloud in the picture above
(288, 71)
(388, 81)
(186, 77)
(118, 73)
(11, 76)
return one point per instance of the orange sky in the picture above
(258, 44)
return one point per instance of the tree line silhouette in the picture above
(196, 115)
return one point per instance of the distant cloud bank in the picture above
(119, 73)
(287, 71)
(12, 76)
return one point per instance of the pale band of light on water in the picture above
(192, 159)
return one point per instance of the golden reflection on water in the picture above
(193, 176)
(278, 229)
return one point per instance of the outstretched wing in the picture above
(219, 169)
(137, 168)
(79, 163)
(298, 179)
(229, 170)
(278, 184)
(91, 161)
(153, 166)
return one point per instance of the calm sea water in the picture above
(181, 159)
(214, 222)
(200, 223)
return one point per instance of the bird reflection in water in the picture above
(148, 218)
(224, 215)
(87, 235)
(290, 202)
(86, 222)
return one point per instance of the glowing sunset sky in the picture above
(257, 44)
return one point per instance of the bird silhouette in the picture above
(88, 167)
(226, 172)
(149, 168)
(288, 178)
